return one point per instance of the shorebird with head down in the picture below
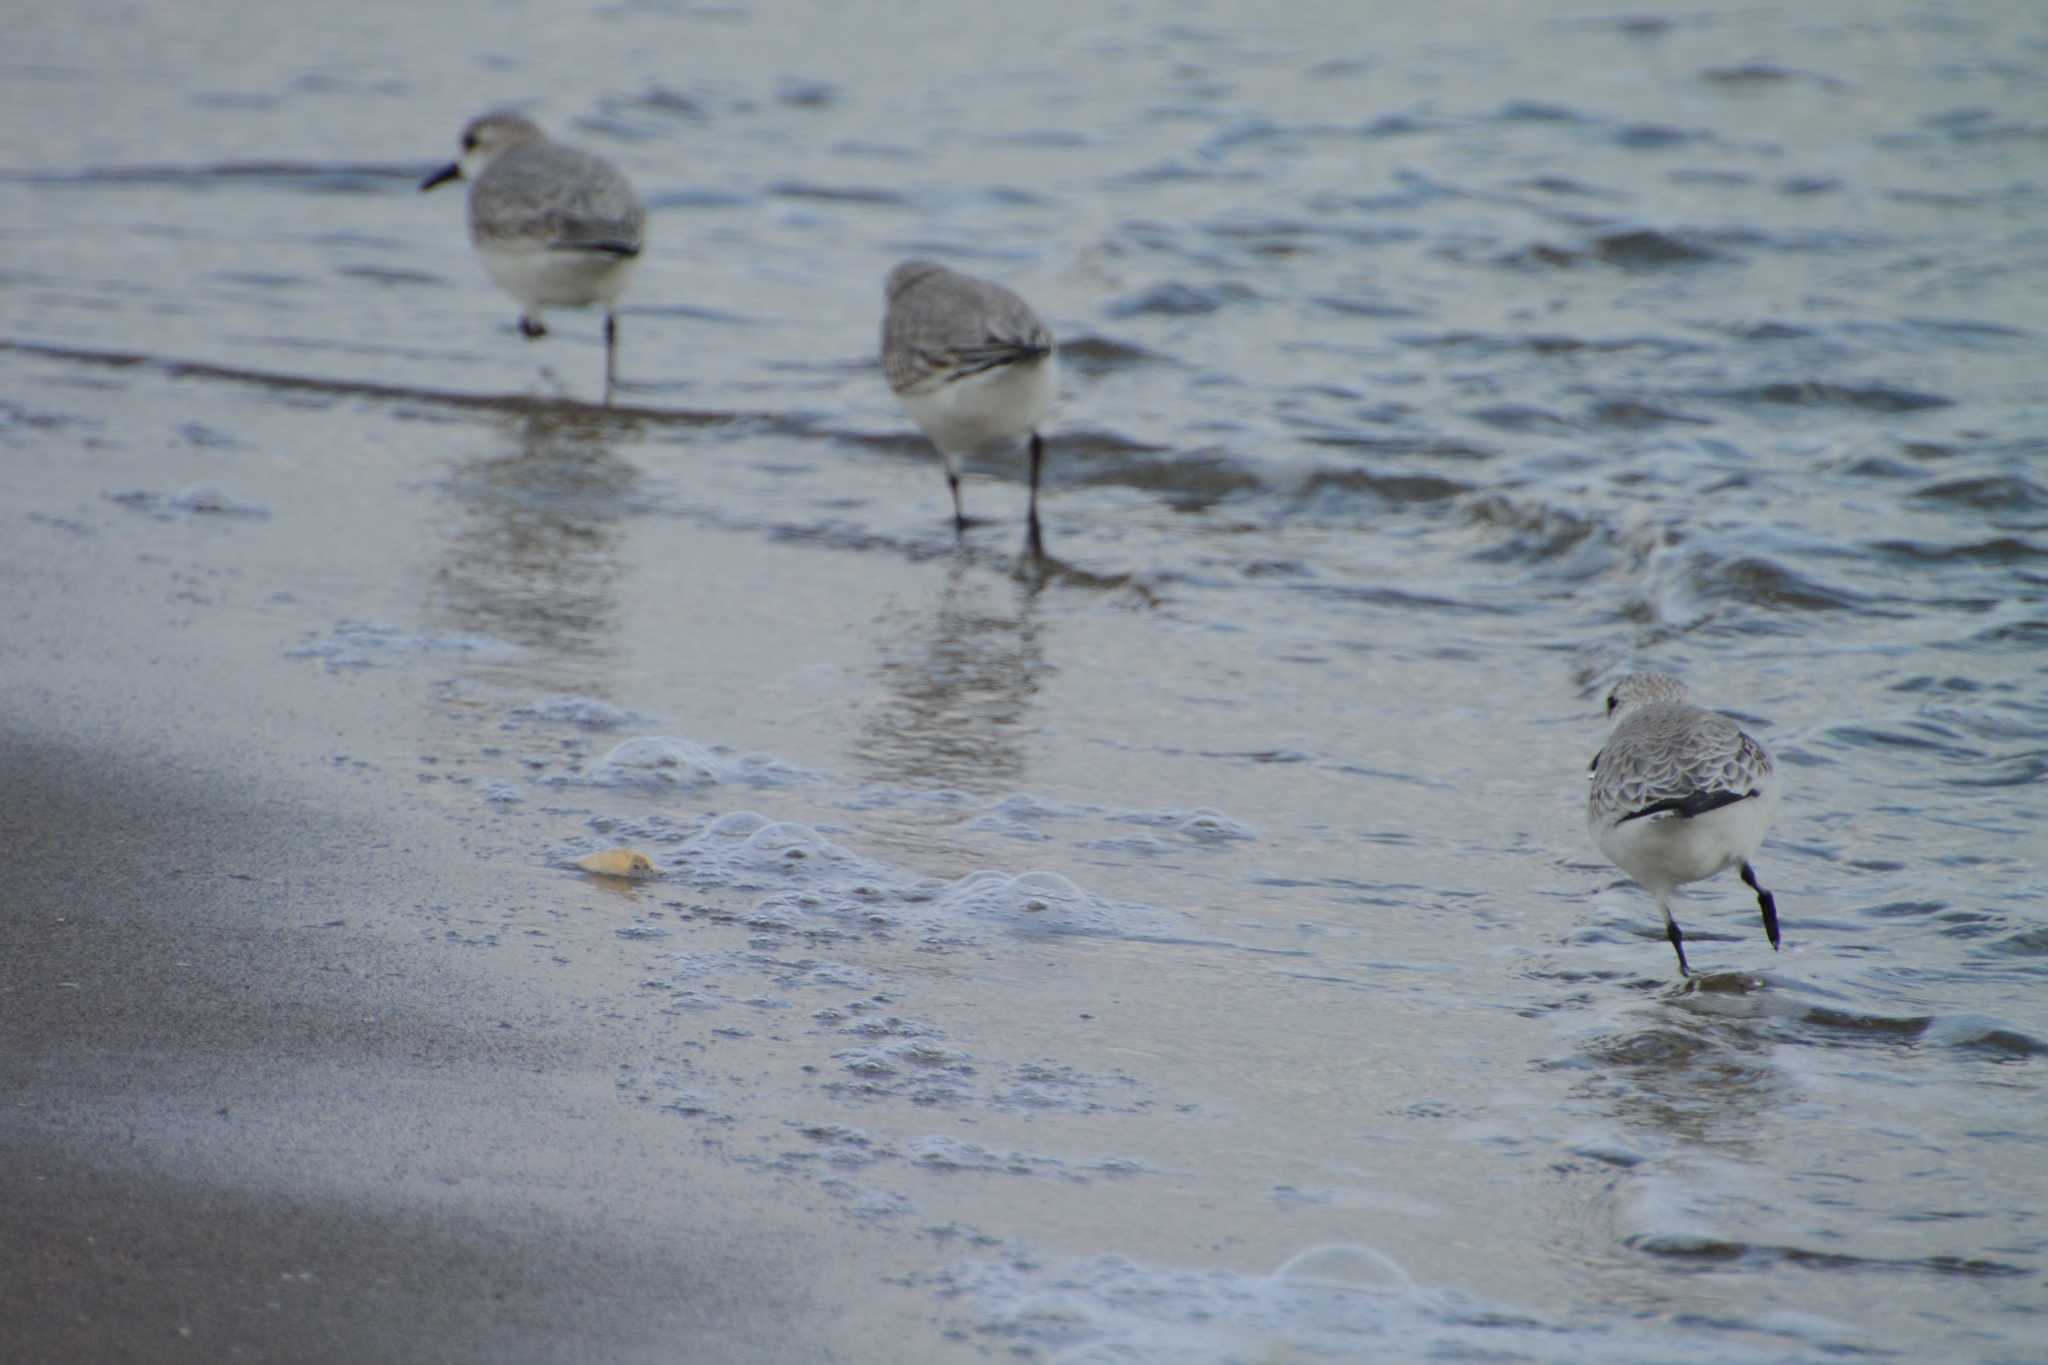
(973, 365)
(1679, 794)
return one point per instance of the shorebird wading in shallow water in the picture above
(1679, 793)
(554, 226)
(974, 366)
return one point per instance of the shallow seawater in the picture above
(1190, 950)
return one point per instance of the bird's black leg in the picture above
(1034, 538)
(1672, 932)
(960, 521)
(611, 354)
(531, 328)
(1678, 946)
(1767, 902)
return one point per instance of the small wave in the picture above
(1093, 354)
(2028, 942)
(522, 404)
(1191, 481)
(1997, 550)
(1695, 1247)
(1988, 493)
(1351, 307)
(201, 500)
(1482, 345)
(1634, 415)
(385, 275)
(311, 177)
(1381, 596)
(1765, 329)
(816, 192)
(1322, 485)
(666, 101)
(1177, 170)
(1652, 249)
(1748, 75)
(1399, 125)
(1538, 111)
(1656, 137)
(1425, 447)
(1881, 398)
(1175, 299)
(2012, 770)
(1523, 419)
(1754, 581)
(1872, 736)
(1537, 533)
(1566, 186)
(1938, 199)
(1982, 1033)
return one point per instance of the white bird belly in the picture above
(547, 277)
(986, 413)
(1669, 850)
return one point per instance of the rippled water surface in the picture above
(1194, 950)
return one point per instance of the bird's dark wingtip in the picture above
(1698, 803)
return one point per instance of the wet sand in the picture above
(1193, 954)
(248, 1117)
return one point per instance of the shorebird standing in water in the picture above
(974, 366)
(1680, 793)
(554, 226)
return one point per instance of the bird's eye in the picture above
(469, 143)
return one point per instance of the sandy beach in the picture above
(250, 1115)
(1188, 947)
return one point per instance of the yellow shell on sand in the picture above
(618, 862)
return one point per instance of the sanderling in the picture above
(974, 366)
(1679, 793)
(554, 226)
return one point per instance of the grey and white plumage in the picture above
(554, 226)
(974, 366)
(1679, 794)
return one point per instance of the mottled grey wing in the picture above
(558, 195)
(945, 326)
(1677, 759)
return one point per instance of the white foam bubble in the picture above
(1327, 1303)
(1345, 1265)
(944, 1152)
(362, 644)
(669, 763)
(905, 1055)
(656, 762)
(586, 712)
(1019, 815)
(1047, 903)
(1209, 826)
(205, 499)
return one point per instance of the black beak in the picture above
(451, 171)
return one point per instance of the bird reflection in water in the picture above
(533, 555)
(959, 685)
(1697, 1067)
